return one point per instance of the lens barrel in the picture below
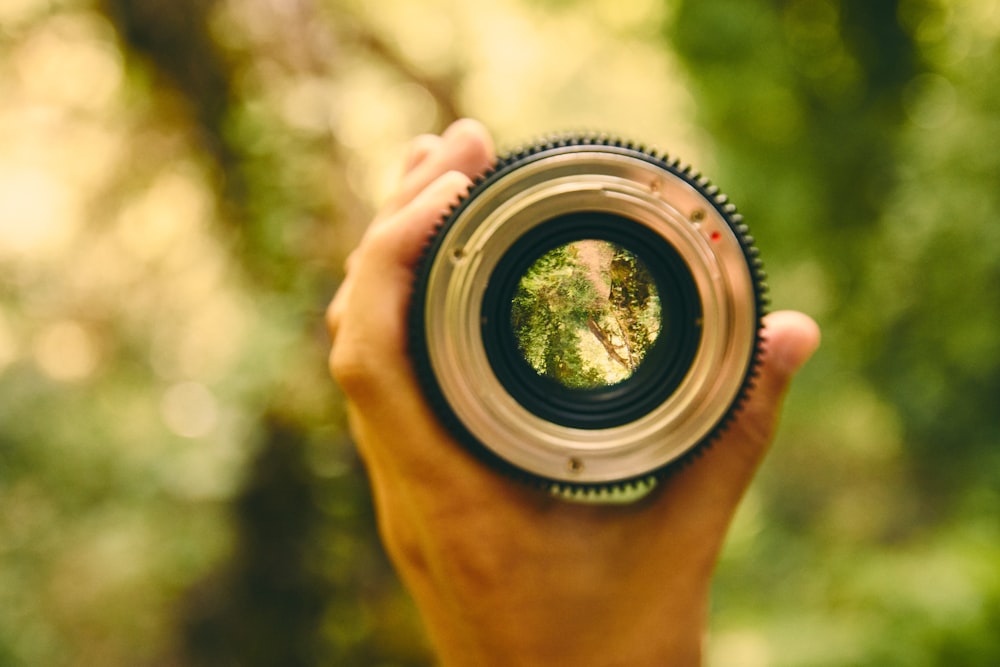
(588, 316)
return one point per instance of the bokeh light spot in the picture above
(66, 351)
(930, 101)
(37, 212)
(189, 409)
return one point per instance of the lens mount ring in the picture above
(706, 270)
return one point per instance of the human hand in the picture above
(503, 573)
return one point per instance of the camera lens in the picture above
(572, 319)
(588, 315)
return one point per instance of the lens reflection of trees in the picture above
(585, 314)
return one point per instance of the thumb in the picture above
(712, 486)
(790, 339)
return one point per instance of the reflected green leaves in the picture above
(585, 314)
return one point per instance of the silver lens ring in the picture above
(707, 275)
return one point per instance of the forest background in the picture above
(181, 180)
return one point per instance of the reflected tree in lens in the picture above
(585, 314)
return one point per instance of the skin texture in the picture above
(504, 574)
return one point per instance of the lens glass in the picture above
(585, 313)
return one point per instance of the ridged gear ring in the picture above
(613, 439)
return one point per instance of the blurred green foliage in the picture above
(181, 181)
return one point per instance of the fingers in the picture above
(436, 171)
(420, 148)
(398, 241)
(368, 322)
(334, 312)
(465, 147)
(790, 338)
(368, 316)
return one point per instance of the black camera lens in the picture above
(588, 315)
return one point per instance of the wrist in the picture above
(630, 636)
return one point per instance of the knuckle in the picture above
(349, 369)
(376, 238)
(332, 318)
